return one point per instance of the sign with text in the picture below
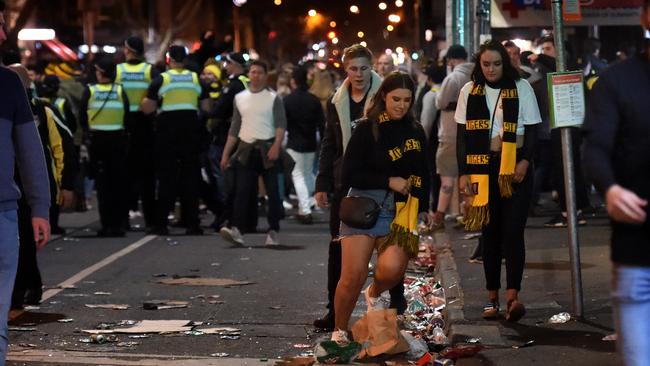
(566, 96)
(537, 13)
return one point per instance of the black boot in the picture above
(325, 323)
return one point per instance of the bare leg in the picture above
(446, 191)
(356, 253)
(391, 265)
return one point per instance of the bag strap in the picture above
(103, 104)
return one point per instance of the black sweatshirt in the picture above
(616, 149)
(367, 165)
(304, 117)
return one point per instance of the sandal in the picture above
(491, 310)
(515, 311)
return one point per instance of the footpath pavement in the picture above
(546, 291)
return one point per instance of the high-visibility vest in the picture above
(135, 79)
(59, 103)
(244, 80)
(110, 117)
(180, 90)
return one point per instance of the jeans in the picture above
(8, 266)
(631, 295)
(303, 179)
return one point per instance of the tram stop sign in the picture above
(566, 95)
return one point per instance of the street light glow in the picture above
(321, 53)
(335, 40)
(354, 9)
(277, 2)
(382, 6)
(428, 35)
(315, 47)
(239, 3)
(399, 3)
(363, 43)
(399, 50)
(394, 18)
(312, 13)
(360, 34)
(390, 28)
(333, 24)
(36, 34)
(331, 35)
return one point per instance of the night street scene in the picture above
(315, 182)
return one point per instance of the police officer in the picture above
(105, 105)
(179, 95)
(135, 75)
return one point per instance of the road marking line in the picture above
(96, 267)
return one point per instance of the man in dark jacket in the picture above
(304, 118)
(617, 159)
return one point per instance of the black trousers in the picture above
(503, 237)
(246, 177)
(582, 197)
(334, 256)
(108, 161)
(178, 166)
(140, 165)
(28, 276)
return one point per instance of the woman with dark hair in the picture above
(386, 161)
(497, 115)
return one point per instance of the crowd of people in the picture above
(464, 137)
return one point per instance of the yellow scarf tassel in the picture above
(403, 229)
(507, 168)
(478, 214)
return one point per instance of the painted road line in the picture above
(96, 267)
(56, 357)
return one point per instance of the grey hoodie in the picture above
(448, 97)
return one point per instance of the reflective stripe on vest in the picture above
(180, 90)
(244, 80)
(135, 79)
(111, 116)
(59, 103)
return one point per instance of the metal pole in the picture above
(569, 178)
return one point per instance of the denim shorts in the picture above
(386, 214)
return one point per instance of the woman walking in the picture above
(386, 161)
(497, 115)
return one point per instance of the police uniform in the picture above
(135, 77)
(178, 137)
(105, 106)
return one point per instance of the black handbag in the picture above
(360, 212)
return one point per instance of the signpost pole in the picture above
(569, 178)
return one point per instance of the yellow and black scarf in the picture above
(405, 148)
(478, 131)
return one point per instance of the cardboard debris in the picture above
(203, 281)
(108, 306)
(148, 326)
(164, 304)
(220, 331)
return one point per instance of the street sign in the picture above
(566, 98)
(571, 11)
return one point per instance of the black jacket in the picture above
(331, 153)
(304, 117)
(223, 109)
(617, 129)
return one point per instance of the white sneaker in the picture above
(340, 337)
(374, 303)
(233, 235)
(272, 238)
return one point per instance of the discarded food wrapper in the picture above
(164, 304)
(329, 352)
(610, 337)
(230, 337)
(139, 336)
(21, 329)
(99, 338)
(560, 318)
(203, 281)
(194, 333)
(417, 346)
(302, 345)
(102, 293)
(220, 354)
(472, 340)
(27, 345)
(443, 362)
(461, 351)
(439, 337)
(31, 307)
(524, 345)
(69, 320)
(108, 306)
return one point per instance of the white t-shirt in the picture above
(528, 109)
